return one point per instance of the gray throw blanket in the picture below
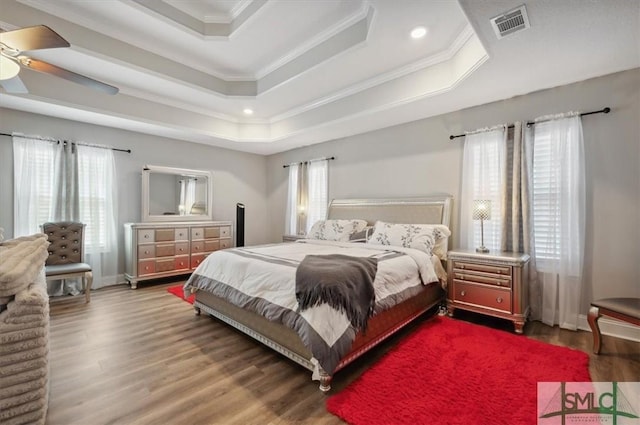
(342, 281)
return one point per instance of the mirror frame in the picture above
(147, 217)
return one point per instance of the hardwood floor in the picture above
(143, 357)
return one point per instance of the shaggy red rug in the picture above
(177, 291)
(453, 372)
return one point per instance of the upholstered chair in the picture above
(66, 254)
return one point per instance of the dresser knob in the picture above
(146, 236)
(462, 266)
(146, 252)
(499, 299)
(463, 293)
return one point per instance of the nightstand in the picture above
(491, 284)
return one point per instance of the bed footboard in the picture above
(286, 342)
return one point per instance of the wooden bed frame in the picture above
(427, 210)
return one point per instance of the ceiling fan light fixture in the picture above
(8, 68)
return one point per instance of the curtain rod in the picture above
(529, 123)
(311, 160)
(66, 141)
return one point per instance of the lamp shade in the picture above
(482, 209)
(8, 68)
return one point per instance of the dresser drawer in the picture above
(485, 268)
(165, 265)
(182, 248)
(146, 267)
(197, 247)
(145, 235)
(225, 243)
(181, 234)
(486, 278)
(163, 235)
(210, 246)
(482, 296)
(182, 262)
(225, 232)
(196, 260)
(197, 233)
(211, 232)
(165, 250)
(146, 251)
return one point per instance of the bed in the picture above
(228, 285)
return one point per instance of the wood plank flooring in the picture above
(142, 357)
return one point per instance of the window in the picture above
(96, 197)
(546, 190)
(307, 197)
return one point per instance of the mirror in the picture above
(176, 194)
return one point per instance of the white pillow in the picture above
(417, 236)
(441, 235)
(335, 230)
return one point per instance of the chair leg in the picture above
(592, 318)
(88, 276)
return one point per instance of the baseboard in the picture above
(612, 327)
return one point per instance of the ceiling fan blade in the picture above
(14, 85)
(33, 38)
(48, 68)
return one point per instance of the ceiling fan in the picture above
(13, 44)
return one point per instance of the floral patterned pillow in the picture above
(417, 236)
(335, 230)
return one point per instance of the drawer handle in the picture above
(195, 248)
(180, 249)
(146, 236)
(462, 266)
(463, 293)
(146, 268)
(499, 299)
(146, 252)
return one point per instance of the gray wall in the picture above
(237, 176)
(418, 159)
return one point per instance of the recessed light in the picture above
(247, 111)
(418, 32)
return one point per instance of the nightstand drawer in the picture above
(485, 278)
(486, 268)
(483, 296)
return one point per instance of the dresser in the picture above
(491, 284)
(156, 250)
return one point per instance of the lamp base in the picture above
(482, 249)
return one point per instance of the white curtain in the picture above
(98, 209)
(559, 216)
(34, 175)
(291, 223)
(317, 197)
(483, 175)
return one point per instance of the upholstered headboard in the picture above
(434, 209)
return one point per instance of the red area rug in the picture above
(177, 291)
(453, 372)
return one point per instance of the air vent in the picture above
(512, 21)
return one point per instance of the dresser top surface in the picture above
(179, 224)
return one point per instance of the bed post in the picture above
(325, 381)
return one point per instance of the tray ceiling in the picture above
(310, 70)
